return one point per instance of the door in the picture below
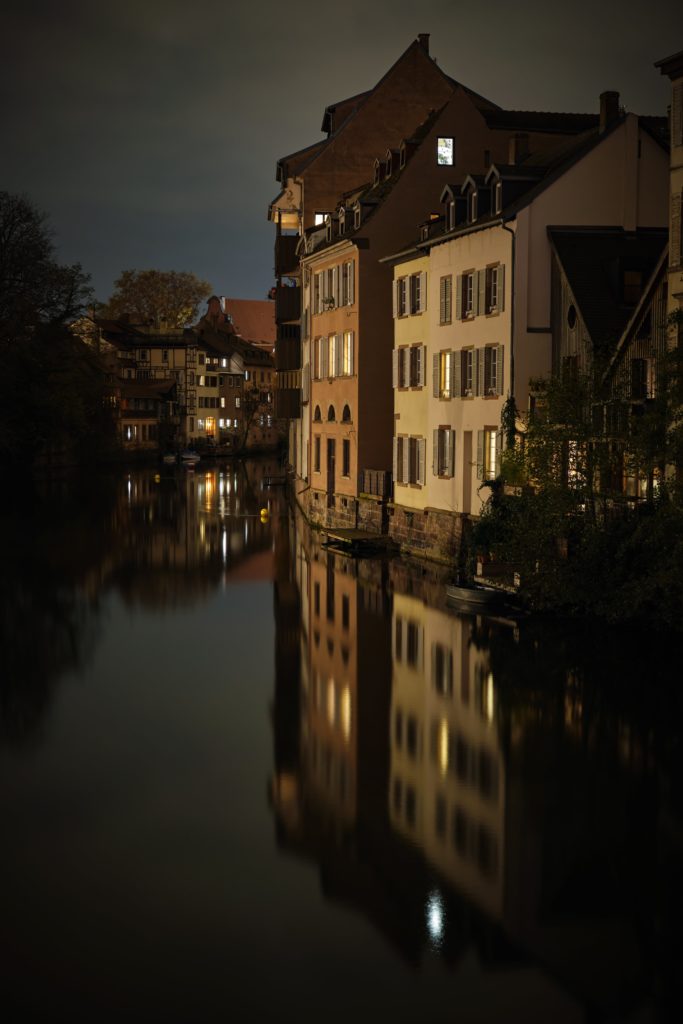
(330, 471)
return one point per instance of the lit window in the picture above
(445, 152)
(444, 451)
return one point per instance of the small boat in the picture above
(189, 457)
(475, 594)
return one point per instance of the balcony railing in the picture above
(286, 260)
(287, 403)
(376, 481)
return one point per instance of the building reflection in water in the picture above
(473, 783)
(156, 538)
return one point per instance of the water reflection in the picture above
(481, 784)
(158, 539)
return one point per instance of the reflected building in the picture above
(447, 789)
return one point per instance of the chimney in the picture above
(609, 109)
(423, 40)
(518, 148)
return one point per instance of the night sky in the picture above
(148, 130)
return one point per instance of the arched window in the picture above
(317, 414)
(346, 415)
(331, 417)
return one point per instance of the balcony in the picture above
(286, 259)
(287, 304)
(288, 348)
(376, 482)
(288, 403)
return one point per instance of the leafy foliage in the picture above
(159, 298)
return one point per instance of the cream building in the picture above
(672, 67)
(488, 310)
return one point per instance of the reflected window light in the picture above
(489, 696)
(443, 746)
(224, 545)
(346, 712)
(434, 912)
(331, 702)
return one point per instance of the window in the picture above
(445, 151)
(467, 372)
(346, 414)
(316, 454)
(642, 378)
(498, 197)
(331, 416)
(493, 283)
(443, 374)
(238, 401)
(317, 416)
(347, 283)
(333, 351)
(222, 402)
(319, 218)
(408, 366)
(418, 293)
(347, 354)
(472, 203)
(164, 355)
(467, 294)
(445, 299)
(442, 669)
(408, 646)
(444, 452)
(356, 217)
(346, 458)
(409, 460)
(321, 361)
(489, 447)
(493, 370)
(402, 296)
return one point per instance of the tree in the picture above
(34, 289)
(157, 297)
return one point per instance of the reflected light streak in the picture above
(331, 702)
(434, 912)
(346, 712)
(489, 697)
(443, 746)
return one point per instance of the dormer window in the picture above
(445, 151)
(342, 221)
(451, 215)
(377, 174)
(402, 156)
(424, 232)
(498, 196)
(472, 206)
(319, 218)
(328, 228)
(356, 217)
(388, 164)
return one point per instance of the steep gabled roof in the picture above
(253, 319)
(593, 261)
(540, 121)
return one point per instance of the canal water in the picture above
(243, 777)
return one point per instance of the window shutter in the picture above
(442, 300)
(481, 358)
(499, 450)
(394, 368)
(451, 453)
(423, 292)
(421, 366)
(435, 452)
(435, 375)
(306, 383)
(481, 289)
(458, 297)
(405, 477)
(394, 299)
(500, 367)
(323, 358)
(480, 455)
(352, 282)
(394, 465)
(335, 286)
(421, 457)
(352, 345)
(501, 287)
(451, 383)
(456, 391)
(339, 354)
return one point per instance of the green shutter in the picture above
(481, 357)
